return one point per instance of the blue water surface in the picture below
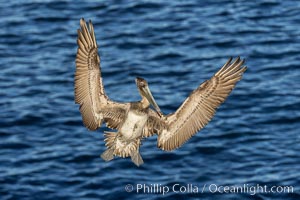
(47, 153)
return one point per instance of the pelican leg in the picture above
(108, 155)
(137, 158)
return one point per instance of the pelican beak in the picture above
(145, 92)
(151, 100)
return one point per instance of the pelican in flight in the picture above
(136, 120)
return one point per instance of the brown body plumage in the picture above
(136, 120)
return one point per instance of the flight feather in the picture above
(199, 108)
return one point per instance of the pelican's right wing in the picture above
(95, 106)
(199, 108)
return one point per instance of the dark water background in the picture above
(46, 153)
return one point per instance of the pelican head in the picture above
(146, 94)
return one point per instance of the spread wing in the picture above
(199, 108)
(95, 106)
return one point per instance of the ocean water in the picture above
(254, 138)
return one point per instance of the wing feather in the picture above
(199, 108)
(153, 125)
(89, 90)
(114, 115)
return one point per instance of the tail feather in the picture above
(117, 146)
(110, 138)
(137, 158)
(108, 155)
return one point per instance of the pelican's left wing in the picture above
(199, 108)
(95, 106)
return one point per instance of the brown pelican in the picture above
(136, 120)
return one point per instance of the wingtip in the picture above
(243, 61)
(82, 22)
(91, 25)
(231, 66)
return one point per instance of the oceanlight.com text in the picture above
(251, 189)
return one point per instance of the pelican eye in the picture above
(143, 83)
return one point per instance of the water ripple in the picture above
(46, 153)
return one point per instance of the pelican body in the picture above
(136, 120)
(127, 140)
